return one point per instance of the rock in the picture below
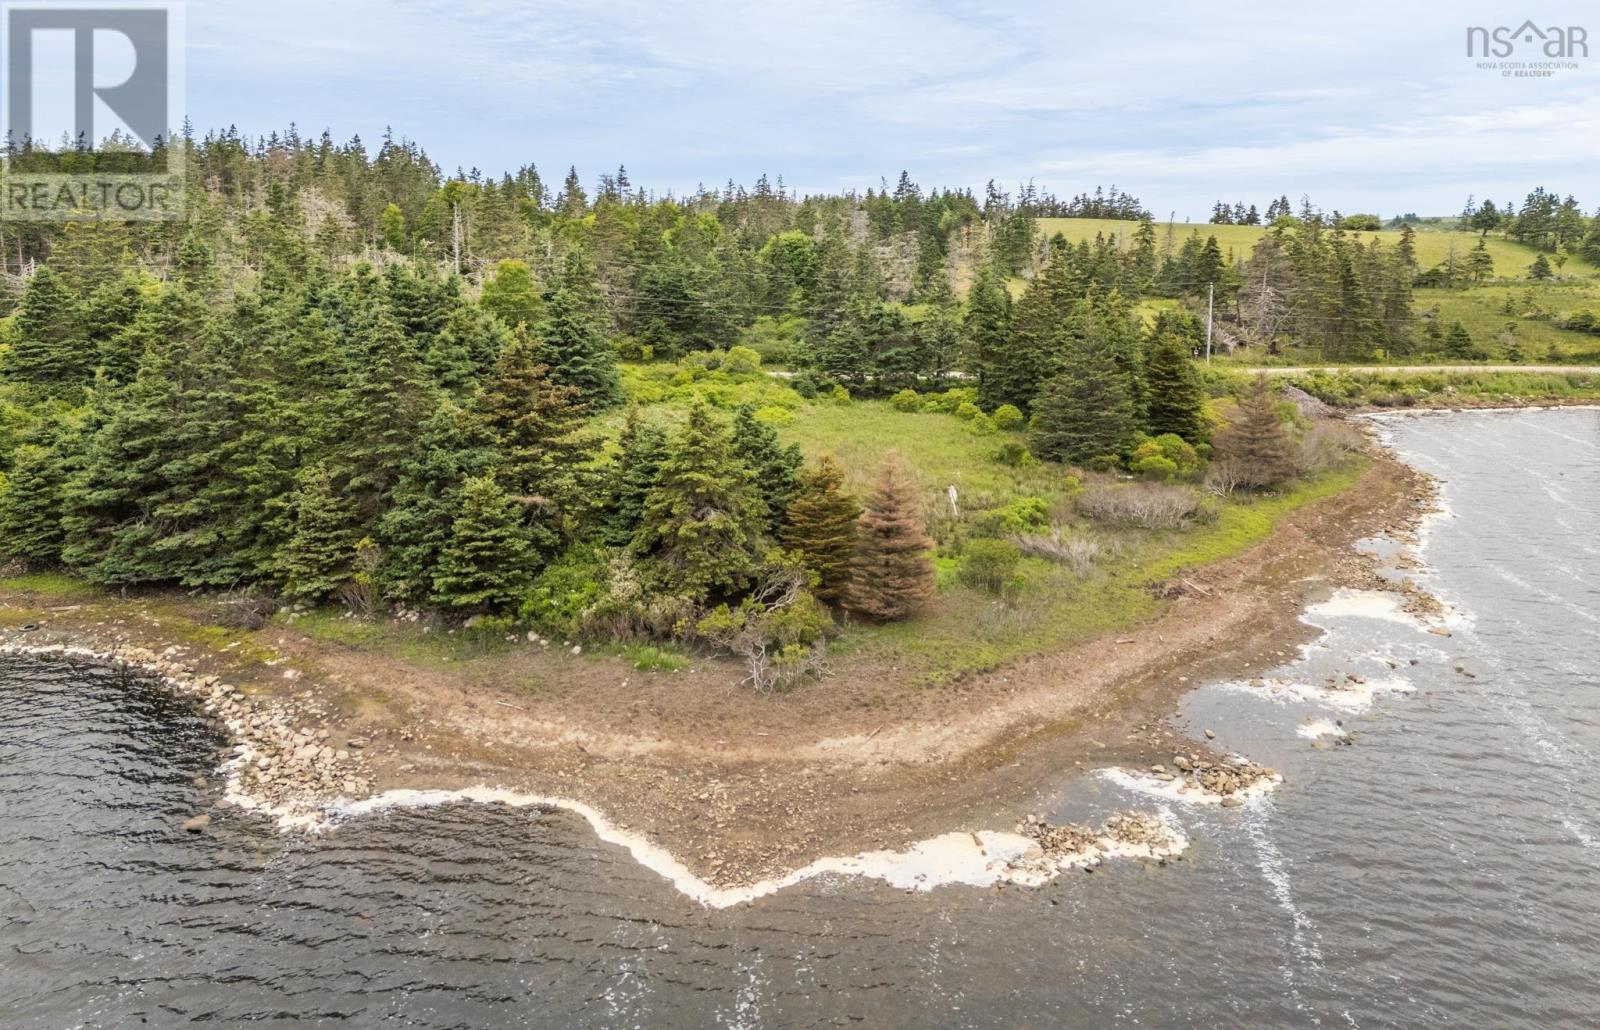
(1231, 802)
(1211, 735)
(1438, 631)
(197, 823)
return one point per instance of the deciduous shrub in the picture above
(1075, 552)
(906, 400)
(1015, 454)
(1008, 418)
(1165, 458)
(968, 410)
(1328, 445)
(991, 565)
(1146, 505)
(1022, 515)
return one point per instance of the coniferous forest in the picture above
(351, 378)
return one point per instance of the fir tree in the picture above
(641, 449)
(53, 348)
(488, 561)
(891, 571)
(701, 532)
(452, 447)
(30, 506)
(1176, 399)
(1085, 412)
(820, 526)
(320, 556)
(1255, 441)
(464, 350)
(572, 340)
(776, 468)
(537, 425)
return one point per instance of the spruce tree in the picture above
(53, 350)
(30, 506)
(820, 526)
(988, 330)
(1255, 441)
(545, 455)
(776, 468)
(320, 556)
(701, 533)
(464, 350)
(488, 561)
(512, 296)
(891, 571)
(452, 447)
(572, 339)
(1085, 412)
(1176, 399)
(641, 449)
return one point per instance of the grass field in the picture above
(1511, 259)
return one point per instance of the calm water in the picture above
(1443, 871)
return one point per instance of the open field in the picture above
(1511, 259)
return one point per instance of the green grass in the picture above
(1511, 259)
(51, 584)
(1533, 307)
(649, 658)
(1409, 389)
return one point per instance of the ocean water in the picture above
(1443, 870)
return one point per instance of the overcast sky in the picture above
(1365, 106)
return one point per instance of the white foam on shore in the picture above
(1180, 790)
(976, 859)
(1347, 697)
(1319, 728)
(1361, 604)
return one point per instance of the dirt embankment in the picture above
(743, 786)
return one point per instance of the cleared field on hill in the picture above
(1511, 259)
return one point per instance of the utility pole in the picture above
(1211, 303)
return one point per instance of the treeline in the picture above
(1545, 220)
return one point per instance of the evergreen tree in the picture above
(700, 537)
(488, 561)
(642, 448)
(464, 349)
(53, 348)
(452, 447)
(320, 555)
(572, 340)
(776, 468)
(30, 506)
(545, 454)
(891, 571)
(1176, 399)
(988, 331)
(1086, 412)
(820, 526)
(1255, 441)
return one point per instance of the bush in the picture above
(776, 340)
(1023, 515)
(968, 411)
(741, 361)
(805, 384)
(991, 565)
(839, 395)
(1015, 454)
(951, 400)
(1165, 458)
(1075, 552)
(906, 400)
(1008, 418)
(1146, 505)
(982, 425)
(564, 591)
(1328, 445)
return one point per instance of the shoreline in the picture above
(878, 804)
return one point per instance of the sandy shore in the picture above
(774, 790)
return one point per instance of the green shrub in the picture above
(1022, 515)
(982, 425)
(1008, 418)
(839, 395)
(951, 400)
(564, 591)
(906, 400)
(741, 361)
(992, 566)
(805, 384)
(968, 411)
(1154, 466)
(1166, 457)
(1015, 454)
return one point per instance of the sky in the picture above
(1364, 106)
